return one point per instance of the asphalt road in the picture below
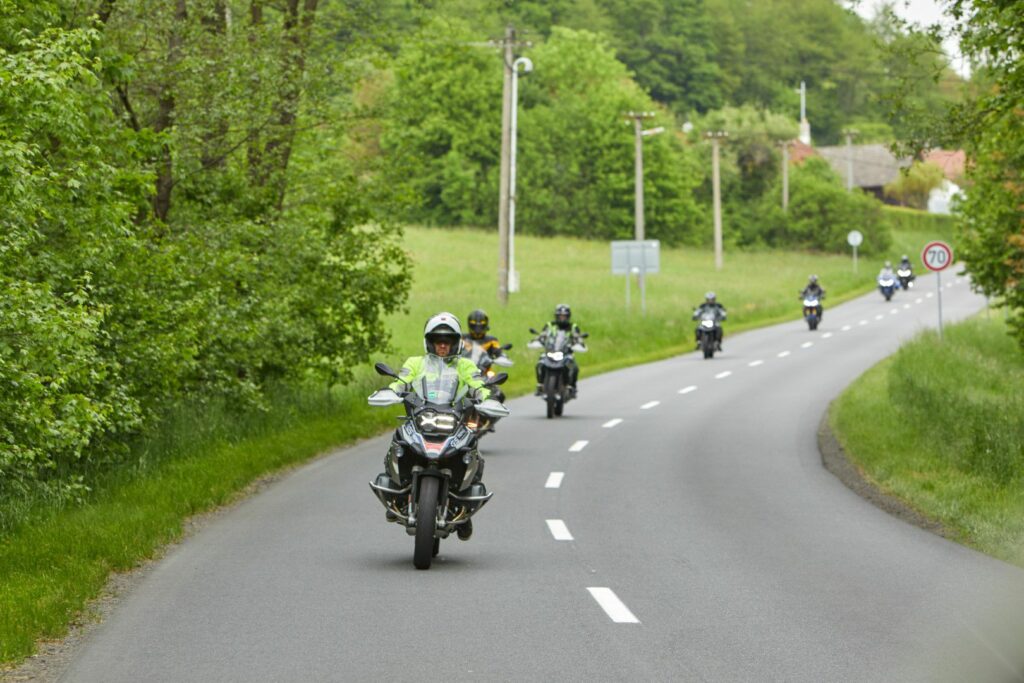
(706, 542)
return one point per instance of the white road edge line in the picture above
(649, 405)
(554, 480)
(559, 530)
(806, 345)
(686, 390)
(611, 423)
(578, 446)
(783, 354)
(755, 363)
(826, 335)
(723, 375)
(612, 606)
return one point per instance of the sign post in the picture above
(854, 239)
(937, 256)
(636, 256)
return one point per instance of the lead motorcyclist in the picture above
(710, 305)
(563, 322)
(477, 342)
(442, 341)
(886, 271)
(814, 290)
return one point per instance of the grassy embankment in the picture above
(941, 425)
(54, 560)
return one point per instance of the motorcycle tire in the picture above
(708, 345)
(813, 324)
(551, 394)
(559, 407)
(426, 520)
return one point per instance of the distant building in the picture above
(874, 166)
(953, 164)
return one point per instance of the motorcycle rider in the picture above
(905, 266)
(442, 341)
(563, 322)
(814, 290)
(477, 337)
(712, 305)
(886, 271)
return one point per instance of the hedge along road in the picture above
(675, 524)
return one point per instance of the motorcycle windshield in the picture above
(556, 342)
(708, 315)
(440, 383)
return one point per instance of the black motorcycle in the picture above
(428, 484)
(708, 331)
(812, 310)
(906, 278)
(554, 366)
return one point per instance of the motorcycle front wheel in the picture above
(426, 519)
(551, 394)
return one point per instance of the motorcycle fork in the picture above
(414, 496)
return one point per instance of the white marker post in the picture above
(854, 239)
(937, 256)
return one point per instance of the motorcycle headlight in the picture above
(433, 422)
(707, 323)
(556, 355)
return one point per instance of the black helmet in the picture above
(478, 324)
(563, 316)
(445, 326)
(709, 298)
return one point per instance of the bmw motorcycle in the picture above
(554, 367)
(428, 484)
(906, 278)
(887, 286)
(812, 311)
(708, 330)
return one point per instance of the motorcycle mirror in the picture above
(534, 331)
(497, 379)
(506, 347)
(585, 335)
(383, 369)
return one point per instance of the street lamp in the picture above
(513, 276)
(716, 192)
(638, 210)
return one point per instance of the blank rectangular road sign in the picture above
(635, 256)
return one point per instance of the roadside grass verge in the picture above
(941, 426)
(52, 561)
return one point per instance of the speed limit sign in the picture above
(937, 256)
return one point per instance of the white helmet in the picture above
(443, 324)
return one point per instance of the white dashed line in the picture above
(686, 390)
(826, 335)
(559, 530)
(879, 316)
(611, 423)
(906, 305)
(806, 345)
(783, 354)
(919, 300)
(929, 295)
(894, 311)
(578, 446)
(649, 405)
(755, 363)
(612, 606)
(554, 480)
(723, 375)
(846, 328)
(863, 322)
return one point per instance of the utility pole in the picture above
(849, 133)
(785, 174)
(805, 125)
(506, 160)
(638, 183)
(716, 189)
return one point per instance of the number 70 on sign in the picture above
(937, 256)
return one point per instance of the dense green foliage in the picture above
(941, 424)
(156, 245)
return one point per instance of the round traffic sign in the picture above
(854, 238)
(937, 256)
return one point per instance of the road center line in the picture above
(559, 530)
(578, 446)
(863, 322)
(755, 363)
(906, 305)
(879, 316)
(612, 606)
(919, 300)
(554, 480)
(686, 390)
(783, 354)
(723, 375)
(611, 423)
(806, 345)
(826, 335)
(649, 405)
(928, 295)
(894, 311)
(846, 328)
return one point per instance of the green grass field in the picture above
(941, 425)
(55, 560)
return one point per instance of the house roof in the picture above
(951, 161)
(799, 151)
(873, 165)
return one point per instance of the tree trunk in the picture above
(165, 117)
